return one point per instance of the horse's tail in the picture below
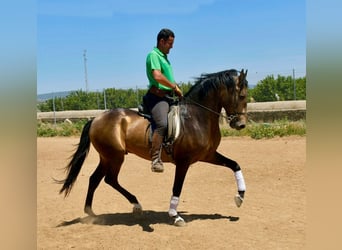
(75, 164)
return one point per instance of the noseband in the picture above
(231, 117)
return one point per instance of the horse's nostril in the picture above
(237, 125)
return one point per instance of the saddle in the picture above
(173, 122)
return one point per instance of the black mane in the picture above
(206, 82)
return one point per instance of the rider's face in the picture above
(166, 45)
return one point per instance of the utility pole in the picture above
(104, 99)
(137, 90)
(294, 84)
(85, 68)
(54, 109)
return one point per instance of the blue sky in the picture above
(265, 37)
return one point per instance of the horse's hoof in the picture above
(238, 200)
(137, 209)
(89, 211)
(178, 221)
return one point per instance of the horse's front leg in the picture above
(219, 159)
(181, 170)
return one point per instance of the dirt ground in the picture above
(273, 215)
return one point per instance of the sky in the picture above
(265, 37)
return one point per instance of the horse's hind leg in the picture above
(94, 181)
(112, 180)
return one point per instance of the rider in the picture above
(161, 83)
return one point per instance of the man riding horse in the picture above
(160, 75)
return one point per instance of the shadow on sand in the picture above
(145, 220)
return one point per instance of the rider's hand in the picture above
(178, 91)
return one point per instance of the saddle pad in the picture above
(173, 123)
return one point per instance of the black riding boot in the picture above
(157, 164)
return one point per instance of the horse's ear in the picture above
(241, 76)
(244, 74)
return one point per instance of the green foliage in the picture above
(254, 130)
(264, 91)
(82, 100)
(45, 129)
(108, 99)
(185, 86)
(268, 130)
(269, 88)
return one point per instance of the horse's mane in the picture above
(206, 82)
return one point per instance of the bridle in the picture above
(229, 117)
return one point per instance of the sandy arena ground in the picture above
(272, 216)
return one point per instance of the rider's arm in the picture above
(159, 77)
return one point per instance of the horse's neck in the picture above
(210, 103)
(206, 110)
(196, 120)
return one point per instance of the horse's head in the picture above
(236, 102)
(227, 89)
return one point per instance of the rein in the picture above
(229, 117)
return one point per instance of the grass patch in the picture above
(268, 130)
(45, 129)
(254, 130)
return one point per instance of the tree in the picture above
(301, 88)
(281, 88)
(268, 89)
(185, 87)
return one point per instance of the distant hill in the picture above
(47, 96)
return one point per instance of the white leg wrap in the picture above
(173, 206)
(240, 181)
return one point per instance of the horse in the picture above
(117, 132)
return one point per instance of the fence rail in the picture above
(258, 112)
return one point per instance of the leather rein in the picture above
(229, 118)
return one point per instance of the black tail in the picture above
(74, 166)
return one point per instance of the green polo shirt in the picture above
(158, 60)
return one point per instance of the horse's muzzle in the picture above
(237, 124)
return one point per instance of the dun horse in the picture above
(120, 131)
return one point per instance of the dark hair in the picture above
(165, 34)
